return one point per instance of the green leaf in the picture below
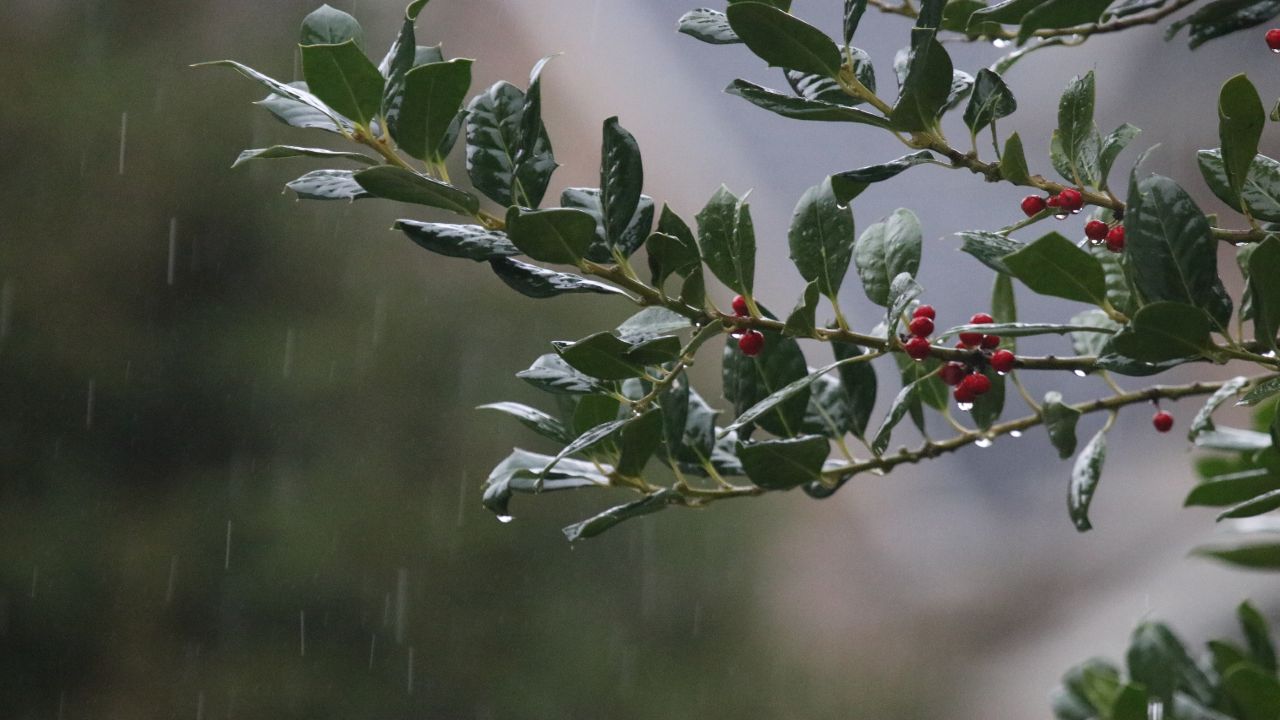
(1054, 266)
(1004, 308)
(1204, 418)
(709, 26)
(1112, 145)
(1130, 704)
(1084, 480)
(850, 184)
(1232, 488)
(1258, 635)
(499, 165)
(988, 407)
(1092, 343)
(330, 26)
(651, 323)
(783, 40)
(1233, 440)
(328, 185)
(526, 472)
(472, 242)
(905, 398)
(990, 101)
(534, 419)
(727, 240)
(536, 282)
(821, 238)
(858, 381)
(1087, 689)
(786, 463)
(671, 255)
(1054, 14)
(798, 108)
(1261, 192)
(1159, 661)
(1163, 331)
(433, 95)
(289, 151)
(1224, 17)
(782, 395)
(632, 237)
(1252, 507)
(885, 250)
(1009, 12)
(1119, 289)
(853, 10)
(802, 321)
(1171, 252)
(902, 292)
(602, 355)
(1263, 269)
(651, 503)
(640, 439)
(621, 180)
(551, 374)
(1255, 692)
(558, 235)
(823, 89)
(927, 86)
(1013, 161)
(401, 57)
(655, 351)
(1255, 556)
(989, 248)
(394, 183)
(343, 78)
(1240, 121)
(747, 381)
(1060, 420)
(292, 103)
(1075, 122)
(1260, 392)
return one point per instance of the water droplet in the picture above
(1269, 354)
(1060, 216)
(1242, 243)
(983, 442)
(1015, 433)
(965, 407)
(1076, 211)
(505, 518)
(1275, 51)
(1080, 373)
(1001, 43)
(1001, 374)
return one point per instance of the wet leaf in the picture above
(798, 108)
(472, 242)
(433, 96)
(290, 151)
(783, 40)
(536, 282)
(786, 463)
(886, 250)
(343, 78)
(394, 183)
(1060, 421)
(1054, 266)
(1084, 480)
(821, 238)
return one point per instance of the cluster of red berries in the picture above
(1099, 233)
(1068, 201)
(750, 342)
(966, 377)
(1273, 39)
(918, 346)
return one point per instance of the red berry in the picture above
(970, 340)
(1071, 199)
(1054, 201)
(1002, 361)
(740, 306)
(924, 311)
(1273, 39)
(1163, 421)
(1115, 239)
(917, 348)
(953, 373)
(1095, 230)
(1033, 205)
(962, 394)
(751, 343)
(977, 383)
(990, 342)
(921, 327)
(981, 319)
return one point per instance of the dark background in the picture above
(240, 468)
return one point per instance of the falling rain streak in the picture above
(302, 633)
(290, 338)
(124, 136)
(90, 399)
(6, 307)
(173, 248)
(226, 558)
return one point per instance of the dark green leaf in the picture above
(989, 248)
(901, 404)
(534, 419)
(329, 26)
(1261, 187)
(499, 166)
(902, 292)
(1130, 704)
(602, 355)
(640, 439)
(433, 95)
(1204, 418)
(798, 108)
(400, 59)
(1263, 390)
(1119, 289)
(655, 351)
(309, 114)
(747, 381)
(885, 250)
(1060, 420)
(1087, 690)
(1112, 145)
(328, 185)
(1240, 120)
(1163, 331)
(1253, 555)
(786, 393)
(853, 10)
(1253, 506)
(551, 374)
(343, 78)
(850, 184)
(1054, 14)
(651, 323)
(988, 407)
(649, 504)
(783, 40)
(858, 381)
(1054, 266)
(1223, 17)
(727, 240)
(621, 179)
(1159, 661)
(1004, 308)
(1075, 122)
(1084, 480)
(1009, 12)
(1013, 161)
(289, 151)
(1092, 343)
(709, 26)
(394, 183)
(1233, 488)
(821, 238)
(927, 86)
(670, 255)
(1263, 272)
(525, 472)
(558, 235)
(784, 464)
(536, 282)
(990, 101)
(1258, 635)
(472, 242)
(1255, 692)
(802, 320)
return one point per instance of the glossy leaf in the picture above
(291, 151)
(1266, 389)
(798, 108)
(1014, 330)
(343, 78)
(1013, 161)
(1223, 17)
(1204, 418)
(1084, 480)
(727, 240)
(901, 404)
(850, 184)
(640, 439)
(1075, 124)
(1008, 12)
(670, 253)
(498, 164)
(1261, 191)
(1054, 266)
(786, 463)
(858, 381)
(297, 93)
(394, 183)
(902, 292)
(990, 101)
(433, 95)
(472, 242)
(1233, 440)
(1255, 692)
(650, 504)
(1092, 343)
(1060, 421)
(709, 26)
(602, 355)
(534, 419)
(1163, 331)
(621, 180)
(783, 394)
(328, 185)
(1263, 270)
(821, 238)
(329, 26)
(853, 10)
(885, 250)
(1258, 635)
(536, 282)
(989, 248)
(557, 235)
(1233, 488)
(1112, 145)
(551, 374)
(783, 40)
(1158, 660)
(1252, 555)
(1054, 14)
(1252, 507)
(987, 407)
(1240, 121)
(526, 472)
(749, 380)
(803, 318)
(927, 85)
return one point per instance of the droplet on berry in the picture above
(1095, 230)
(990, 342)
(953, 373)
(921, 327)
(977, 384)
(981, 319)
(1002, 361)
(925, 311)
(964, 397)
(1071, 199)
(751, 343)
(1273, 39)
(1033, 205)
(1162, 421)
(1115, 239)
(917, 348)
(740, 306)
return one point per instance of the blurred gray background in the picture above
(240, 468)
